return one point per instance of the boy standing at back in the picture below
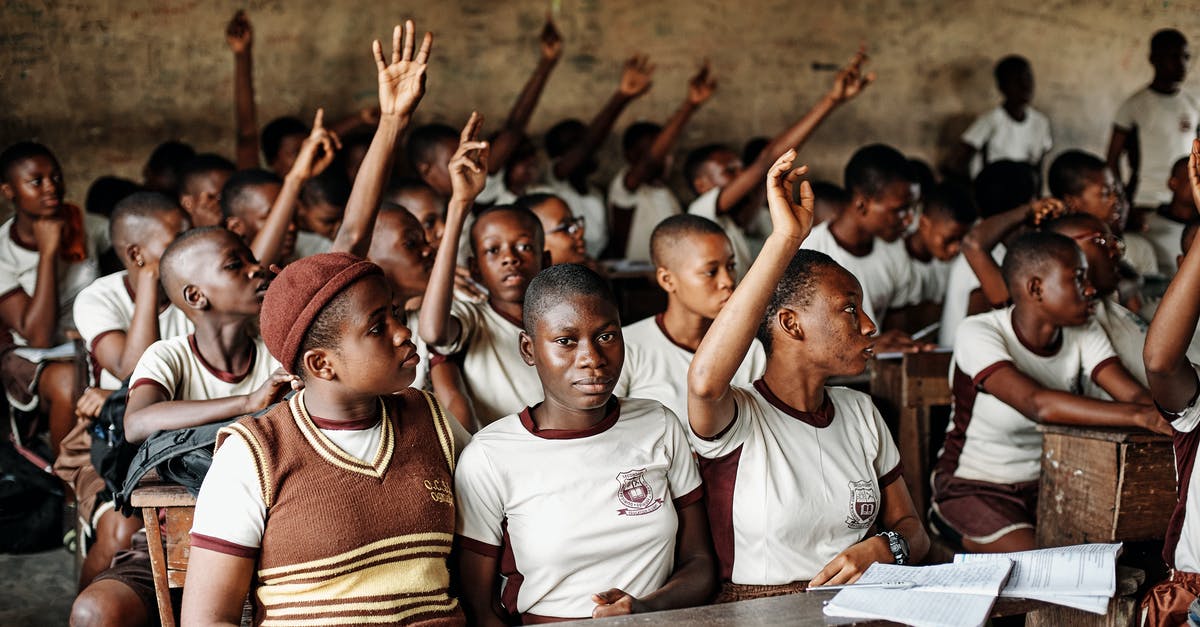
(1013, 131)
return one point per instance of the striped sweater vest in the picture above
(348, 542)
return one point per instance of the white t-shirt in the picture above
(961, 282)
(987, 439)
(1166, 126)
(309, 244)
(176, 367)
(18, 271)
(1166, 236)
(106, 306)
(886, 273)
(495, 192)
(932, 278)
(787, 491)
(589, 205)
(656, 367)
(1127, 333)
(705, 206)
(1140, 254)
(421, 382)
(498, 381)
(1002, 138)
(651, 203)
(580, 511)
(1187, 551)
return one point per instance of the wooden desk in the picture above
(170, 543)
(905, 389)
(1104, 485)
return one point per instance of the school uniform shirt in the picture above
(309, 244)
(651, 203)
(1127, 333)
(590, 205)
(176, 367)
(705, 206)
(1166, 236)
(106, 306)
(1182, 547)
(18, 270)
(495, 192)
(987, 439)
(421, 382)
(1165, 125)
(885, 274)
(959, 285)
(572, 513)
(998, 137)
(932, 278)
(787, 490)
(498, 381)
(1139, 254)
(656, 366)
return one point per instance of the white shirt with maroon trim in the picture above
(787, 490)
(19, 262)
(106, 306)
(1182, 547)
(987, 439)
(705, 206)
(656, 367)
(176, 367)
(1127, 332)
(498, 381)
(651, 203)
(886, 273)
(573, 513)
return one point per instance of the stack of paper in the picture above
(947, 595)
(1083, 577)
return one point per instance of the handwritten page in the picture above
(947, 595)
(1082, 576)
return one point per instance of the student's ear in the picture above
(133, 253)
(526, 347)
(235, 224)
(858, 202)
(1173, 183)
(788, 322)
(7, 188)
(423, 170)
(1033, 287)
(194, 297)
(318, 364)
(188, 202)
(666, 280)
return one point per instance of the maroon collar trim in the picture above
(1040, 352)
(227, 377)
(516, 322)
(613, 412)
(361, 424)
(20, 243)
(662, 326)
(820, 419)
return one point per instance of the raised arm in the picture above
(1041, 404)
(119, 352)
(700, 89)
(635, 81)
(979, 242)
(468, 174)
(401, 86)
(518, 118)
(1172, 379)
(316, 153)
(240, 36)
(710, 407)
(35, 317)
(850, 82)
(149, 410)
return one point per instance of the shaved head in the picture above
(138, 213)
(557, 283)
(183, 256)
(1035, 254)
(669, 237)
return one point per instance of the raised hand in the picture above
(702, 85)
(1194, 172)
(239, 34)
(47, 234)
(788, 218)
(402, 84)
(317, 151)
(635, 77)
(850, 80)
(1045, 209)
(468, 166)
(551, 40)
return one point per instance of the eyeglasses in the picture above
(570, 227)
(1114, 244)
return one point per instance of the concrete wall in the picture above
(102, 82)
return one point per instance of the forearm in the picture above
(977, 249)
(1171, 377)
(247, 125)
(348, 124)
(362, 207)
(435, 309)
(650, 164)
(143, 328)
(40, 317)
(596, 132)
(914, 532)
(518, 118)
(690, 585)
(171, 415)
(268, 243)
(1055, 407)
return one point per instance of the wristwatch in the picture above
(898, 546)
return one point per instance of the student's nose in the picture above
(1089, 290)
(589, 355)
(866, 326)
(400, 333)
(49, 186)
(726, 279)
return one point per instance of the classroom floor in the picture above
(36, 589)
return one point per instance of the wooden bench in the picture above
(170, 543)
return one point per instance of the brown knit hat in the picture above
(296, 296)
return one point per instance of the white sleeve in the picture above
(8, 280)
(625, 380)
(735, 434)
(705, 205)
(1126, 117)
(1094, 347)
(160, 365)
(979, 347)
(980, 131)
(618, 195)
(230, 512)
(887, 456)
(468, 317)
(683, 475)
(95, 315)
(492, 189)
(480, 508)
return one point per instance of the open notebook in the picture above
(946, 595)
(1083, 576)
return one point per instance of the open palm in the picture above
(402, 83)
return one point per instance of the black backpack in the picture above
(110, 453)
(31, 505)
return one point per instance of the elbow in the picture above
(1160, 362)
(1041, 409)
(971, 242)
(135, 429)
(700, 386)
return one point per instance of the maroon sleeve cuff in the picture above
(96, 340)
(1102, 365)
(892, 475)
(723, 432)
(481, 548)
(217, 545)
(691, 497)
(436, 358)
(11, 292)
(146, 381)
(991, 370)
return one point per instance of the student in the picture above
(1164, 227)
(638, 197)
(352, 476)
(947, 213)
(105, 192)
(48, 254)
(1014, 368)
(508, 250)
(572, 148)
(865, 239)
(1156, 125)
(322, 203)
(694, 265)
(564, 232)
(728, 191)
(567, 543)
(1013, 131)
(200, 186)
(1175, 387)
(831, 200)
(162, 169)
(429, 150)
(790, 444)
(423, 202)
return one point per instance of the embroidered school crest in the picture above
(863, 504)
(636, 494)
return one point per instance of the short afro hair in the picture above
(1034, 252)
(424, 140)
(330, 187)
(873, 167)
(795, 288)
(952, 201)
(21, 151)
(1010, 67)
(276, 131)
(639, 132)
(238, 185)
(525, 215)
(563, 136)
(175, 263)
(537, 199)
(667, 234)
(105, 192)
(201, 165)
(136, 211)
(696, 159)
(1004, 185)
(1167, 39)
(558, 283)
(1068, 174)
(168, 160)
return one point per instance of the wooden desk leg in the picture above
(158, 564)
(914, 451)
